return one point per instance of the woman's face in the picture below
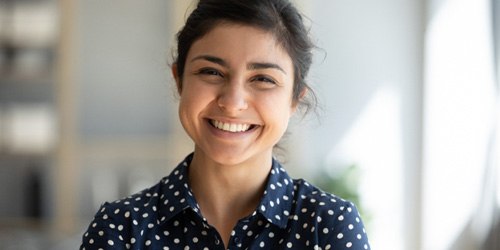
(236, 94)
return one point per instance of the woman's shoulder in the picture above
(138, 199)
(334, 220)
(310, 199)
(307, 191)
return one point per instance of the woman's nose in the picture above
(232, 98)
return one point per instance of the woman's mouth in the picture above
(231, 127)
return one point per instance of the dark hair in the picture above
(279, 17)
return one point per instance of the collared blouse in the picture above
(292, 214)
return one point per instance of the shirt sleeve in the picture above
(102, 232)
(348, 230)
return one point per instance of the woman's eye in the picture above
(210, 72)
(264, 79)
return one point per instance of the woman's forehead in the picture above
(235, 42)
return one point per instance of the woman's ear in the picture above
(295, 103)
(176, 78)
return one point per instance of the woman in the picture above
(240, 73)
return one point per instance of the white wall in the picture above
(124, 50)
(368, 76)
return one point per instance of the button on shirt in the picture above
(292, 214)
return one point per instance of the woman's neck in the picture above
(227, 193)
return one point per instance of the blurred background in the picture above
(408, 127)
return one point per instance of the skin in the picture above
(234, 74)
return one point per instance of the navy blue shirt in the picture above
(292, 214)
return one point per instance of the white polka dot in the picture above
(262, 244)
(91, 241)
(195, 240)
(348, 245)
(145, 215)
(289, 245)
(340, 236)
(328, 247)
(359, 236)
(101, 233)
(325, 230)
(350, 227)
(341, 218)
(120, 227)
(111, 243)
(148, 242)
(319, 219)
(176, 241)
(297, 236)
(271, 235)
(132, 240)
(330, 212)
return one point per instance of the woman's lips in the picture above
(231, 127)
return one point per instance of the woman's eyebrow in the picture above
(264, 65)
(212, 59)
(251, 66)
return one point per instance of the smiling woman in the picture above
(240, 74)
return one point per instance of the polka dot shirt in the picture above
(292, 214)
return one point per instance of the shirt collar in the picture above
(176, 193)
(275, 204)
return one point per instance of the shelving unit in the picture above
(28, 42)
(76, 129)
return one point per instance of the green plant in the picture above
(344, 184)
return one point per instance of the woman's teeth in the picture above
(230, 127)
